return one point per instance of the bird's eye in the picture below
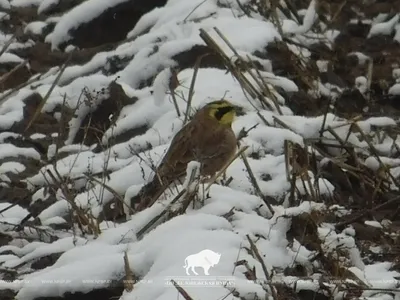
(221, 111)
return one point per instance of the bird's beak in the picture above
(238, 110)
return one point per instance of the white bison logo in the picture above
(205, 259)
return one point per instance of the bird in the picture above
(207, 138)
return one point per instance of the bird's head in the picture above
(223, 111)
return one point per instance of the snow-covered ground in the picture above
(233, 220)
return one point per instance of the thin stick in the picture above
(15, 69)
(264, 267)
(142, 231)
(128, 282)
(181, 291)
(366, 212)
(20, 86)
(215, 177)
(43, 102)
(110, 189)
(191, 89)
(6, 45)
(369, 77)
(253, 181)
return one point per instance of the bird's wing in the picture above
(180, 153)
(224, 147)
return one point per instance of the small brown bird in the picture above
(208, 138)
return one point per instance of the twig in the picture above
(264, 267)
(244, 132)
(110, 189)
(336, 13)
(43, 102)
(366, 212)
(241, 78)
(369, 77)
(193, 10)
(18, 87)
(262, 118)
(215, 177)
(174, 80)
(191, 89)
(181, 291)
(128, 282)
(253, 181)
(283, 124)
(8, 207)
(79, 212)
(15, 69)
(243, 81)
(6, 45)
(375, 152)
(153, 221)
(328, 107)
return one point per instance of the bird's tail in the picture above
(148, 194)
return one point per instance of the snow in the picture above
(396, 36)
(10, 58)
(361, 84)
(12, 167)
(11, 215)
(56, 247)
(25, 3)
(35, 27)
(362, 58)
(5, 4)
(373, 223)
(394, 89)
(46, 4)
(201, 231)
(9, 150)
(396, 74)
(37, 136)
(161, 86)
(80, 14)
(11, 111)
(309, 18)
(384, 28)
(4, 16)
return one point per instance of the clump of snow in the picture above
(373, 223)
(10, 58)
(12, 167)
(11, 216)
(11, 111)
(80, 14)
(396, 74)
(309, 18)
(4, 16)
(361, 84)
(396, 36)
(362, 58)
(70, 48)
(394, 89)
(38, 136)
(46, 5)
(384, 28)
(25, 3)
(9, 150)
(161, 85)
(192, 174)
(5, 4)
(35, 27)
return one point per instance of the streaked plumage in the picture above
(208, 138)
